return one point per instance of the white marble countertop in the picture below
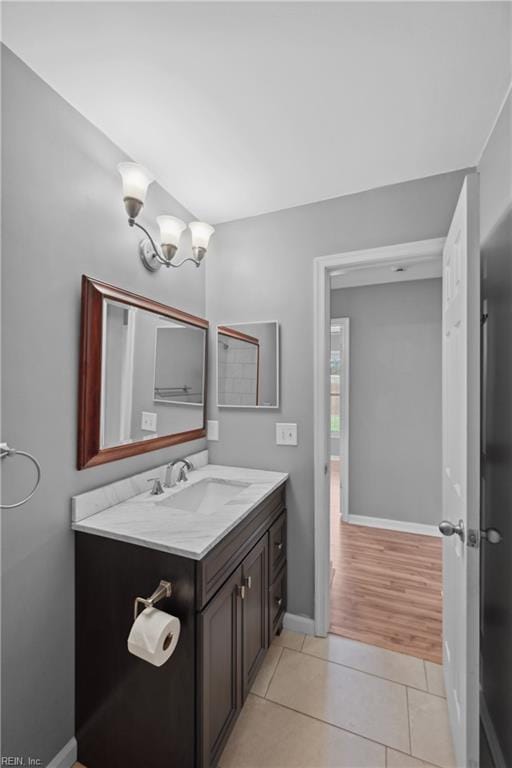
(144, 520)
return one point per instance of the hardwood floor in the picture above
(386, 587)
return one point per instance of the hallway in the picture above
(386, 585)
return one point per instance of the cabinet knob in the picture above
(248, 582)
(279, 601)
(279, 545)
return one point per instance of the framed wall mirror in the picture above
(248, 365)
(142, 375)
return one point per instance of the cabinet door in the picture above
(220, 654)
(254, 612)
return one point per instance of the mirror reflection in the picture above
(248, 365)
(152, 375)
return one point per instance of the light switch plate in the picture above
(212, 430)
(286, 434)
(148, 421)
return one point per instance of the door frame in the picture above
(323, 266)
(344, 322)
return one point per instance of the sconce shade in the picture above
(136, 180)
(201, 233)
(170, 229)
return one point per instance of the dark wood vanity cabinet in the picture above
(230, 604)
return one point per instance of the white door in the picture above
(461, 471)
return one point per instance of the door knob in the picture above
(491, 535)
(448, 529)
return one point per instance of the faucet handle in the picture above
(182, 476)
(157, 489)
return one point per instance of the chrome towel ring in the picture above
(5, 450)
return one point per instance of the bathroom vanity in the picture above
(220, 539)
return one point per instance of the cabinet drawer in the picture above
(218, 564)
(277, 546)
(277, 602)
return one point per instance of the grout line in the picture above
(364, 672)
(425, 762)
(439, 695)
(274, 672)
(408, 718)
(430, 765)
(426, 675)
(340, 728)
(327, 722)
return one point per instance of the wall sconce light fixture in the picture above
(136, 180)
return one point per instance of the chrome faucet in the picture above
(182, 475)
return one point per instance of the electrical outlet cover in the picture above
(148, 421)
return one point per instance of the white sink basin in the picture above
(204, 497)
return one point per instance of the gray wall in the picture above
(261, 268)
(395, 399)
(62, 216)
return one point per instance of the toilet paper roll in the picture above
(154, 636)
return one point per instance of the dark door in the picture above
(254, 612)
(496, 559)
(220, 669)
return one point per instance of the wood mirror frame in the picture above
(90, 452)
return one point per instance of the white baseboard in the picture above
(394, 525)
(492, 739)
(66, 757)
(296, 623)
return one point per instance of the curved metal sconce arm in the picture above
(133, 223)
(151, 256)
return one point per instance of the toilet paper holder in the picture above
(164, 589)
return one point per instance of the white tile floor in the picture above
(337, 703)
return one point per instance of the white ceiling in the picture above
(244, 108)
